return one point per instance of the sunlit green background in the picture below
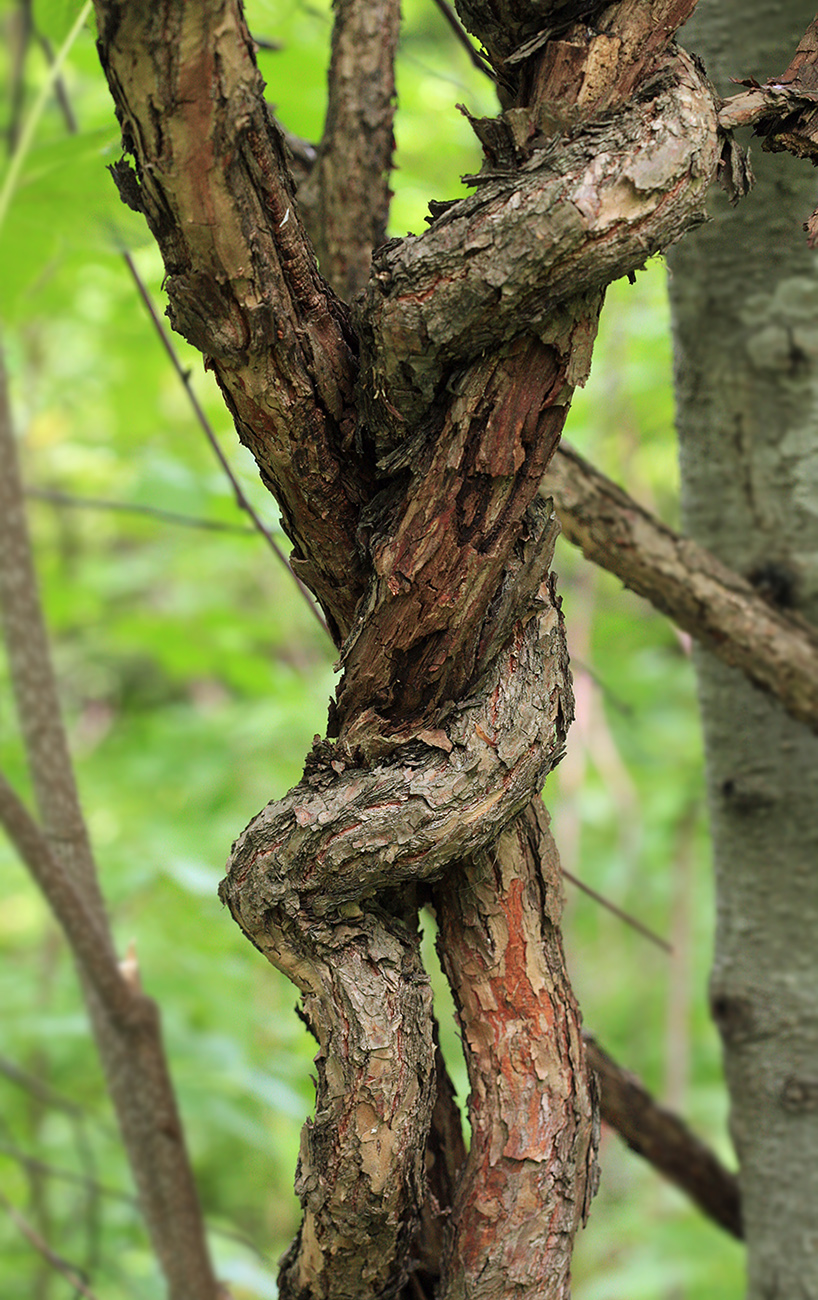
(194, 679)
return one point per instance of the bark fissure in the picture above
(406, 442)
(531, 1171)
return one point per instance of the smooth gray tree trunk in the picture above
(744, 292)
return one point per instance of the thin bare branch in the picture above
(90, 942)
(130, 1045)
(462, 36)
(720, 608)
(665, 1141)
(242, 500)
(348, 190)
(71, 501)
(632, 921)
(33, 680)
(42, 1092)
(42, 1247)
(42, 1167)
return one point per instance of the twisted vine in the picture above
(406, 441)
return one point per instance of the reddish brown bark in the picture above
(406, 444)
(531, 1169)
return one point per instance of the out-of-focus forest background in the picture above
(194, 679)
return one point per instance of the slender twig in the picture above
(42, 1247)
(69, 500)
(38, 1089)
(47, 1170)
(126, 1024)
(60, 89)
(463, 37)
(241, 500)
(26, 137)
(89, 941)
(618, 912)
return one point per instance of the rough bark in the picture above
(406, 443)
(745, 300)
(531, 1169)
(242, 282)
(348, 188)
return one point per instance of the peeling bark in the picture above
(406, 442)
(551, 219)
(531, 1170)
(242, 283)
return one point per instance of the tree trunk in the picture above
(745, 302)
(405, 439)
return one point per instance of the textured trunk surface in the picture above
(405, 438)
(745, 303)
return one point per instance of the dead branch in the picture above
(717, 606)
(665, 1141)
(126, 1027)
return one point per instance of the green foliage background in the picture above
(193, 679)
